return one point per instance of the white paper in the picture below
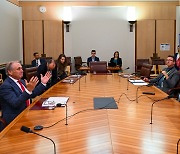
(140, 84)
(75, 76)
(53, 101)
(136, 81)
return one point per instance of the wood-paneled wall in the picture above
(165, 33)
(33, 39)
(145, 39)
(52, 40)
(152, 33)
(145, 11)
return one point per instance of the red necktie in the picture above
(23, 89)
(178, 62)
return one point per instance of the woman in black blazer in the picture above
(116, 61)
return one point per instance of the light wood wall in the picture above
(52, 40)
(145, 11)
(33, 39)
(145, 39)
(165, 33)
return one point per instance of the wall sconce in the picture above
(131, 23)
(67, 23)
(131, 17)
(67, 17)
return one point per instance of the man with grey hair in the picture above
(15, 93)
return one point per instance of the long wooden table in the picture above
(124, 130)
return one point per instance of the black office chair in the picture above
(68, 61)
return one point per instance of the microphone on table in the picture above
(168, 97)
(28, 130)
(177, 146)
(126, 69)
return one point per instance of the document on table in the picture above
(53, 101)
(138, 82)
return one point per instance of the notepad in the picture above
(136, 81)
(140, 84)
(53, 101)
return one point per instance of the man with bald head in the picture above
(15, 93)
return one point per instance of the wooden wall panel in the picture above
(165, 33)
(145, 39)
(33, 39)
(145, 10)
(53, 38)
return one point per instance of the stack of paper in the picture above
(138, 82)
(53, 101)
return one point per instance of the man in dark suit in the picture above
(15, 93)
(93, 57)
(50, 65)
(168, 78)
(37, 60)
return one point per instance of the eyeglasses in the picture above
(169, 60)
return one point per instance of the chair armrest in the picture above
(3, 123)
(173, 89)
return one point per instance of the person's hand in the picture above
(46, 77)
(165, 74)
(32, 83)
(146, 79)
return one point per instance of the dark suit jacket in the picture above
(90, 60)
(119, 62)
(42, 69)
(33, 63)
(170, 82)
(13, 100)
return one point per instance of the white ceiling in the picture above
(102, 0)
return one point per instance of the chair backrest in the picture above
(158, 62)
(1, 79)
(140, 62)
(175, 90)
(30, 72)
(2, 124)
(98, 67)
(78, 62)
(68, 60)
(146, 70)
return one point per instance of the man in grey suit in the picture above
(15, 93)
(168, 78)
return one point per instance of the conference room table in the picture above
(126, 130)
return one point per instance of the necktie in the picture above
(23, 89)
(178, 62)
(36, 62)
